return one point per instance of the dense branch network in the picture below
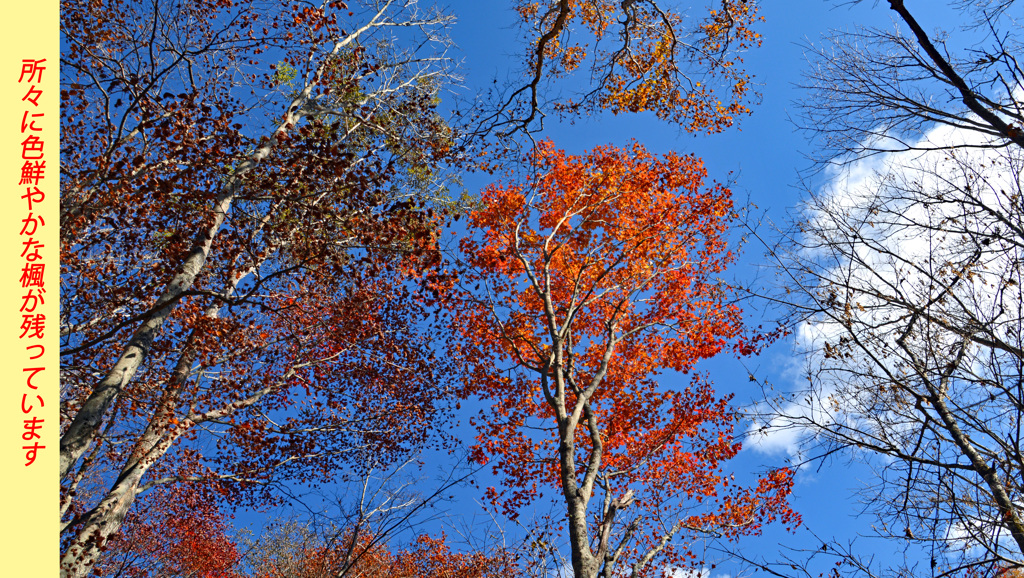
(640, 56)
(244, 261)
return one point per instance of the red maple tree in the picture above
(583, 283)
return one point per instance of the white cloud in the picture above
(901, 234)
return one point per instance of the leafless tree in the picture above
(376, 533)
(872, 90)
(902, 279)
(905, 286)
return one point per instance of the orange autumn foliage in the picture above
(641, 56)
(178, 531)
(583, 283)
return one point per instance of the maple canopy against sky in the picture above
(253, 202)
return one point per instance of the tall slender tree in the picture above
(246, 249)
